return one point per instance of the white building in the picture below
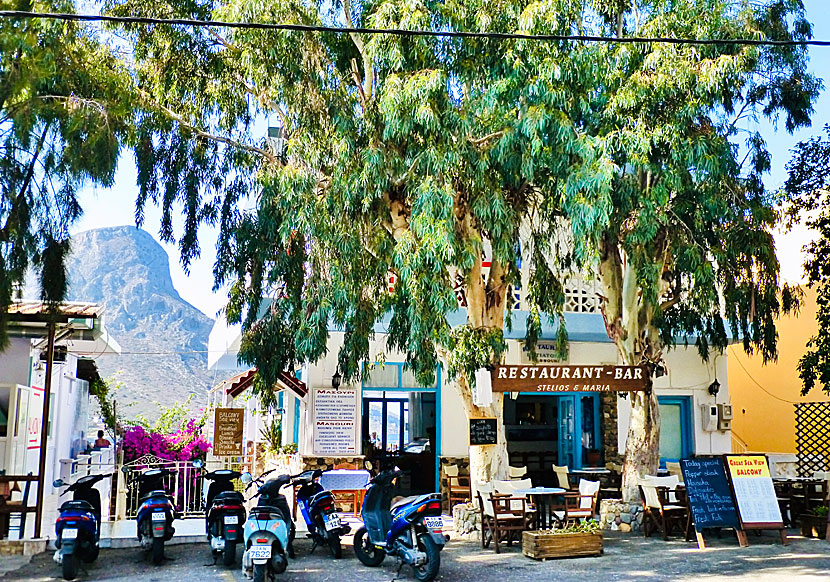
(379, 417)
(80, 338)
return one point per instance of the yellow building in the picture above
(764, 397)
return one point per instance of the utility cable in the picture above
(409, 33)
(735, 356)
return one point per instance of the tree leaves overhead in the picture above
(401, 160)
(65, 111)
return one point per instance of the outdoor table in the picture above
(545, 517)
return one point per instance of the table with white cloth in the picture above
(542, 497)
(348, 482)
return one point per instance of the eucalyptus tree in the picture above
(410, 155)
(64, 114)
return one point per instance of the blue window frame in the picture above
(393, 377)
(676, 434)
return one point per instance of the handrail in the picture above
(741, 443)
(10, 478)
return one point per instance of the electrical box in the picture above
(724, 416)
(709, 417)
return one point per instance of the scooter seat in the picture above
(77, 506)
(405, 501)
(156, 493)
(228, 496)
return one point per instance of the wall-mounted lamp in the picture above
(659, 370)
(335, 380)
(714, 387)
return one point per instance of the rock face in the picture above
(163, 338)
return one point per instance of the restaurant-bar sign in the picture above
(602, 378)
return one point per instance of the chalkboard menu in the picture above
(483, 431)
(710, 497)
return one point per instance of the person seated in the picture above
(101, 442)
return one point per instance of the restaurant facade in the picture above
(392, 419)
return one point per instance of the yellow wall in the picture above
(763, 396)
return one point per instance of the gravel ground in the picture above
(626, 558)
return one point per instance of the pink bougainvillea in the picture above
(186, 444)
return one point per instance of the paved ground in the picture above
(627, 558)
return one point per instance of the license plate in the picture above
(69, 534)
(231, 519)
(159, 516)
(434, 522)
(260, 552)
(332, 521)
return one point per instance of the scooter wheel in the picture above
(92, 555)
(69, 562)
(261, 573)
(229, 553)
(428, 571)
(365, 551)
(158, 551)
(335, 547)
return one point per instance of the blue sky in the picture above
(115, 206)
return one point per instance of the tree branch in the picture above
(367, 86)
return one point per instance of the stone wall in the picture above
(310, 463)
(466, 520)
(610, 427)
(617, 515)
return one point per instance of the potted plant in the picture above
(582, 539)
(814, 523)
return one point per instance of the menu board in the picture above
(754, 491)
(227, 431)
(335, 413)
(483, 431)
(707, 488)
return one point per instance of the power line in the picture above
(735, 356)
(408, 33)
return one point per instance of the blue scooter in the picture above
(156, 513)
(78, 527)
(319, 512)
(411, 529)
(268, 531)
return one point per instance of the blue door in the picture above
(567, 431)
(676, 439)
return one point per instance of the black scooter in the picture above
(156, 513)
(224, 515)
(319, 512)
(78, 527)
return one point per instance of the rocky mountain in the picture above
(163, 338)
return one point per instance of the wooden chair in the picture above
(510, 488)
(674, 469)
(661, 509)
(517, 472)
(458, 486)
(353, 497)
(562, 476)
(582, 505)
(508, 521)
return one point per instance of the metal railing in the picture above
(185, 484)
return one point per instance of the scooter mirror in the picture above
(367, 465)
(246, 477)
(198, 463)
(58, 483)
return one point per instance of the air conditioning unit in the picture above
(724, 416)
(709, 417)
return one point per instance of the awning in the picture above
(238, 384)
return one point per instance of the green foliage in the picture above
(588, 526)
(173, 417)
(103, 390)
(272, 435)
(805, 198)
(821, 511)
(65, 111)
(411, 156)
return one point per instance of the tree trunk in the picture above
(642, 445)
(487, 462)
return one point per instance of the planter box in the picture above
(813, 526)
(542, 544)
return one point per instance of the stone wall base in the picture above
(466, 520)
(617, 515)
(28, 547)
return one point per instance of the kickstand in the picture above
(313, 547)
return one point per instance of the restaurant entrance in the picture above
(547, 429)
(399, 427)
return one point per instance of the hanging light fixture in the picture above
(714, 387)
(335, 380)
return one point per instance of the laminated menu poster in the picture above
(754, 491)
(335, 413)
